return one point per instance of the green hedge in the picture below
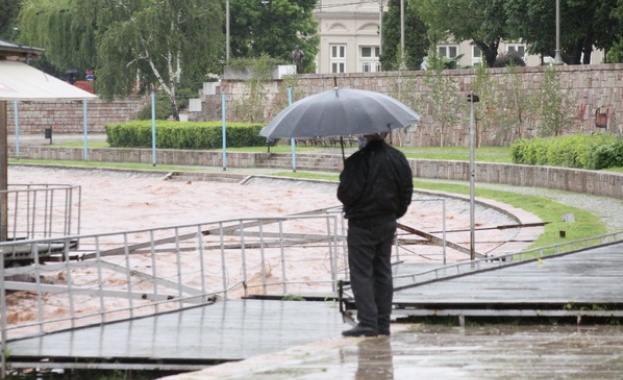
(575, 151)
(183, 135)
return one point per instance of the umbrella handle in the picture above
(342, 144)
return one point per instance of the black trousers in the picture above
(369, 261)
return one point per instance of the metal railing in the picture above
(38, 211)
(122, 275)
(462, 268)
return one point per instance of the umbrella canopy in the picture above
(340, 112)
(19, 81)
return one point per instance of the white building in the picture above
(350, 39)
(349, 36)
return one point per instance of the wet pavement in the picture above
(443, 352)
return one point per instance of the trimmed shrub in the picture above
(574, 151)
(606, 156)
(183, 135)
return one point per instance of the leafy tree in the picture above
(518, 106)
(583, 25)
(481, 21)
(615, 54)
(555, 107)
(160, 41)
(442, 96)
(486, 110)
(9, 10)
(50, 24)
(273, 28)
(416, 43)
(163, 43)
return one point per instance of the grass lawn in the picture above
(485, 154)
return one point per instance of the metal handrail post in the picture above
(3, 315)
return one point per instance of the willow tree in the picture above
(133, 45)
(52, 25)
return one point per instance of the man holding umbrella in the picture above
(375, 188)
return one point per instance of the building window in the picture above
(517, 49)
(338, 58)
(448, 51)
(476, 55)
(369, 59)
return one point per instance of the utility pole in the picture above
(226, 31)
(402, 35)
(472, 98)
(381, 27)
(558, 58)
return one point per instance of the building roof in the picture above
(19, 81)
(10, 49)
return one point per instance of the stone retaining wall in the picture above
(588, 86)
(602, 183)
(67, 117)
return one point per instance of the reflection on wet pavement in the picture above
(444, 352)
(374, 359)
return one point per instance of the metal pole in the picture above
(86, 140)
(227, 32)
(558, 58)
(472, 251)
(292, 140)
(402, 35)
(153, 128)
(443, 224)
(381, 27)
(4, 173)
(16, 116)
(3, 315)
(224, 129)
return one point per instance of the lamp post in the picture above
(402, 35)
(558, 58)
(471, 98)
(381, 27)
(226, 31)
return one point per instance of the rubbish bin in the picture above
(48, 134)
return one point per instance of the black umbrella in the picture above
(340, 112)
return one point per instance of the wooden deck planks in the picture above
(591, 276)
(231, 330)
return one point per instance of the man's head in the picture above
(376, 136)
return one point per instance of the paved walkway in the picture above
(442, 353)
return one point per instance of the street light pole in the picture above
(381, 27)
(227, 31)
(558, 58)
(402, 35)
(472, 98)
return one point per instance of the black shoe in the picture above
(384, 331)
(359, 330)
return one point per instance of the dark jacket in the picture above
(376, 185)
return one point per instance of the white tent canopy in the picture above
(19, 81)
